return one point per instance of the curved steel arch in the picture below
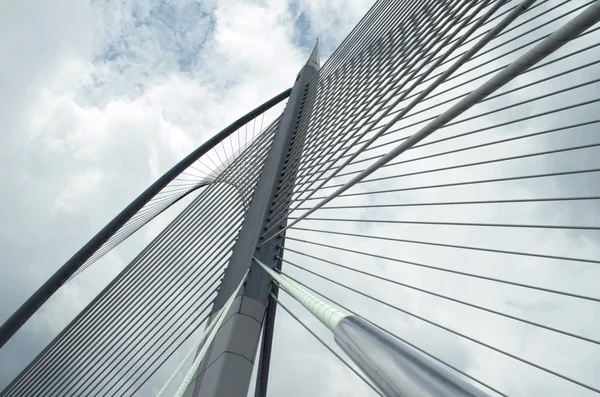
(31, 305)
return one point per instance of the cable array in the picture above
(157, 302)
(491, 216)
(207, 169)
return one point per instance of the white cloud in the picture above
(331, 21)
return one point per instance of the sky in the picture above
(94, 110)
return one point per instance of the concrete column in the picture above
(227, 366)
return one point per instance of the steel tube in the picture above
(396, 368)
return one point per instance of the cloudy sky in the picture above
(98, 99)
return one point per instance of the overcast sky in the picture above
(99, 98)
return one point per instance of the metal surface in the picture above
(387, 331)
(214, 328)
(393, 366)
(396, 368)
(264, 359)
(337, 355)
(188, 356)
(326, 314)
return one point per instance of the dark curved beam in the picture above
(23, 313)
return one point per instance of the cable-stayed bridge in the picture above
(429, 193)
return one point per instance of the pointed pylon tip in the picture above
(314, 55)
